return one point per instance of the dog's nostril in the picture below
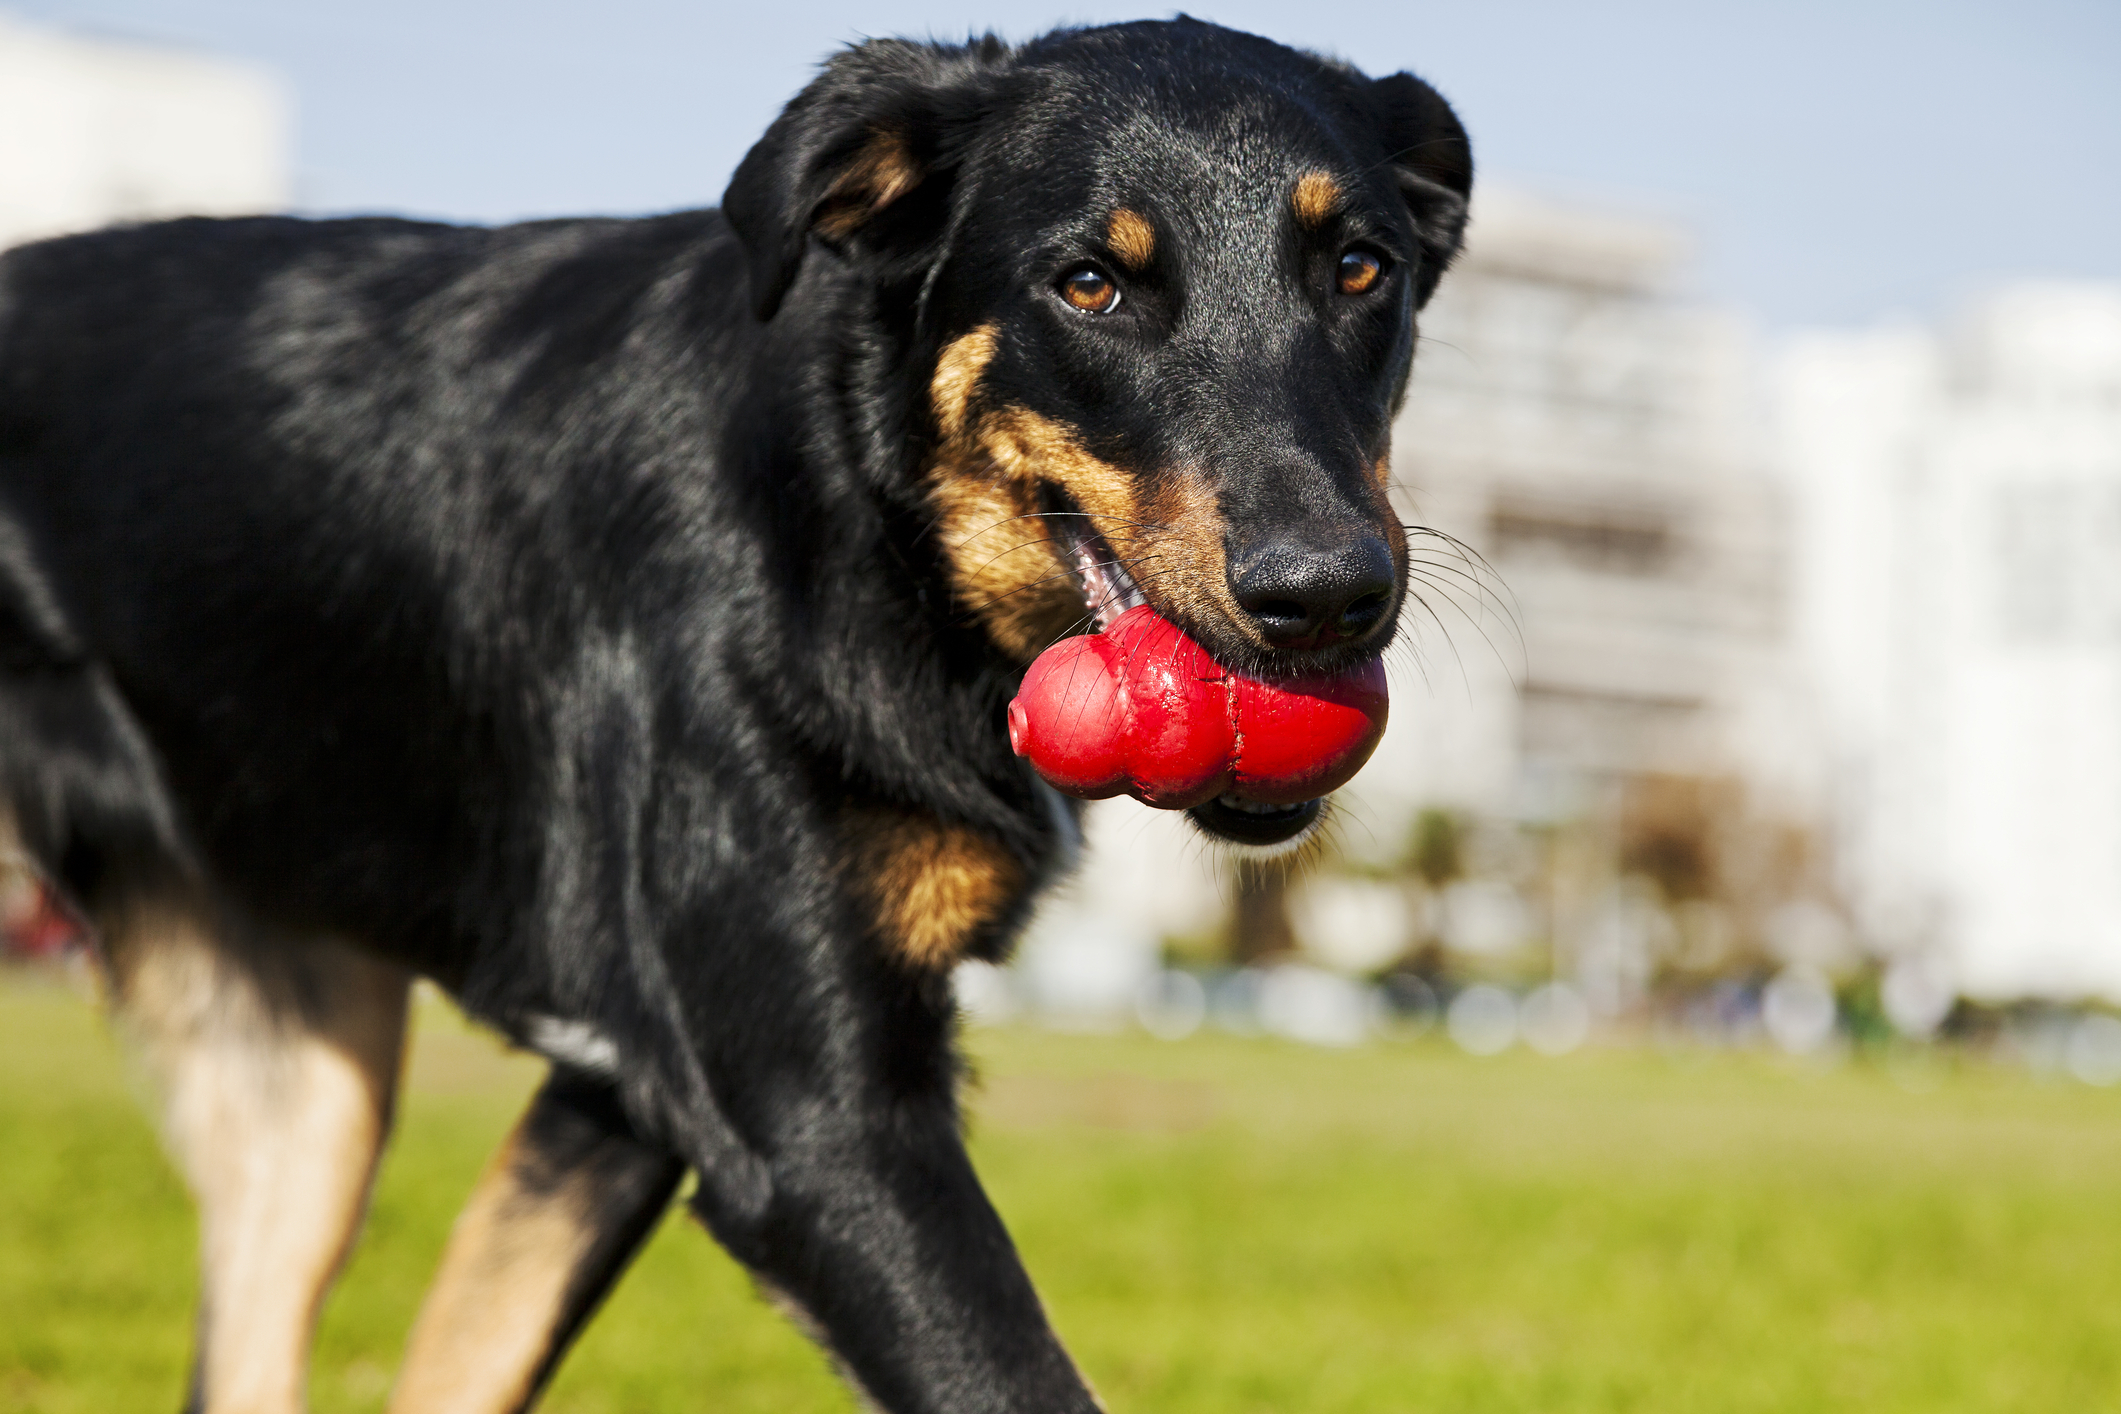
(1363, 614)
(1278, 611)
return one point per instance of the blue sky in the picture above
(1840, 162)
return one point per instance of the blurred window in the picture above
(2058, 547)
(1602, 539)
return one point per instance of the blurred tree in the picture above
(1437, 849)
(1668, 827)
(1259, 918)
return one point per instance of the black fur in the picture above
(530, 604)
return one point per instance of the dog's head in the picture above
(1162, 278)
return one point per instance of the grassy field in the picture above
(1234, 1225)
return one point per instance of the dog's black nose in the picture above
(1305, 591)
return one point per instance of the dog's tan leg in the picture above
(554, 1220)
(278, 1069)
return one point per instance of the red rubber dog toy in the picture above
(1142, 709)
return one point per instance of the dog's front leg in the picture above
(557, 1215)
(864, 1214)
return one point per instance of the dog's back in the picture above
(331, 478)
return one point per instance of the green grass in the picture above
(1234, 1225)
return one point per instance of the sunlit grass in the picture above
(1238, 1225)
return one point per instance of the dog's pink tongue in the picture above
(1142, 709)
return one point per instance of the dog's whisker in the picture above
(1464, 550)
(1476, 566)
(1490, 600)
(1489, 605)
(1449, 591)
(1465, 677)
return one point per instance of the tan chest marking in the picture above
(932, 887)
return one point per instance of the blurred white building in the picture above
(1627, 680)
(1890, 620)
(96, 130)
(1588, 432)
(1958, 534)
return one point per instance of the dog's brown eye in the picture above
(1090, 292)
(1359, 272)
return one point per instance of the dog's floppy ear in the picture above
(1434, 162)
(860, 159)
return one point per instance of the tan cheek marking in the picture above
(1195, 580)
(1002, 567)
(984, 484)
(882, 172)
(932, 887)
(1388, 514)
(957, 373)
(1316, 198)
(1130, 237)
(1032, 447)
(1381, 497)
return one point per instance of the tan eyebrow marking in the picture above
(1317, 196)
(1131, 238)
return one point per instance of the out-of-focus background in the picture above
(1756, 743)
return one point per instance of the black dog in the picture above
(614, 620)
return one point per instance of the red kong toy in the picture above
(1142, 709)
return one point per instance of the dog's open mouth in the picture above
(1108, 591)
(1101, 576)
